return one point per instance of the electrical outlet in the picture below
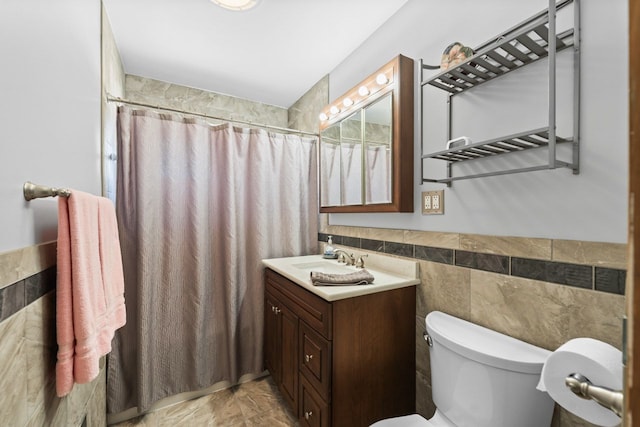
(433, 202)
(427, 202)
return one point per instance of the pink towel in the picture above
(90, 287)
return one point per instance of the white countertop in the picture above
(388, 272)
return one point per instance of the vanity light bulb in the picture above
(347, 102)
(381, 79)
(334, 109)
(323, 116)
(363, 91)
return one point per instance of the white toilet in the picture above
(480, 378)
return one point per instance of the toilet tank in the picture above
(482, 378)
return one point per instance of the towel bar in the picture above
(34, 191)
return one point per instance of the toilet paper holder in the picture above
(606, 397)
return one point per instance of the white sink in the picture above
(330, 267)
(388, 272)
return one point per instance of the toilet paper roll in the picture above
(600, 362)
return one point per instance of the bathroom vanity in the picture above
(341, 355)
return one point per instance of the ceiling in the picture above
(272, 54)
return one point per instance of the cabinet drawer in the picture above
(315, 311)
(314, 412)
(315, 360)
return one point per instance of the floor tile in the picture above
(251, 404)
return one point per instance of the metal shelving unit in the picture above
(527, 42)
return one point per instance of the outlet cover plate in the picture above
(433, 202)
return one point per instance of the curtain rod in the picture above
(111, 98)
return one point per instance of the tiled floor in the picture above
(255, 403)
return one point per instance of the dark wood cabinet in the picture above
(349, 362)
(281, 348)
(315, 412)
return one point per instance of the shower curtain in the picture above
(199, 206)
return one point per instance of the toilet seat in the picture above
(415, 420)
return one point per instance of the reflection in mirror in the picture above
(378, 134)
(330, 166)
(351, 157)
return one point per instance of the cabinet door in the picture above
(272, 338)
(314, 411)
(289, 352)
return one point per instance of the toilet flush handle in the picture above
(428, 339)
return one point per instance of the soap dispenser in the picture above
(329, 251)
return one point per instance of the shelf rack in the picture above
(521, 45)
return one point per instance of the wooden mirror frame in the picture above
(631, 416)
(400, 72)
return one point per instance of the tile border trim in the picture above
(22, 293)
(591, 277)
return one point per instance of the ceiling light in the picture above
(363, 91)
(381, 79)
(237, 5)
(334, 109)
(323, 116)
(347, 102)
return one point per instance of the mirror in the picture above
(330, 166)
(377, 151)
(366, 144)
(351, 159)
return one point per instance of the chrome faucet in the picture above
(360, 261)
(345, 257)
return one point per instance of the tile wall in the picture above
(303, 114)
(542, 291)
(170, 95)
(28, 347)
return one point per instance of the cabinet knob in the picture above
(308, 415)
(276, 310)
(308, 357)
